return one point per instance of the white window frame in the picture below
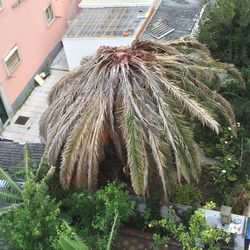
(1, 5)
(8, 56)
(45, 16)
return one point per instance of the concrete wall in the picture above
(76, 49)
(24, 25)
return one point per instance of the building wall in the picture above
(25, 26)
(114, 3)
(76, 48)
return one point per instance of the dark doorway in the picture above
(3, 114)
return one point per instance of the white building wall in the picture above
(76, 48)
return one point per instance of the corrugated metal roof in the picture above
(107, 22)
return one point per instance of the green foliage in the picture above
(225, 30)
(112, 234)
(186, 195)
(95, 216)
(167, 228)
(230, 172)
(36, 221)
(69, 240)
(35, 224)
(32, 219)
(193, 237)
(81, 208)
(67, 243)
(141, 219)
(225, 172)
(109, 201)
(11, 193)
(222, 181)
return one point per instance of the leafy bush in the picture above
(109, 201)
(32, 219)
(221, 182)
(225, 172)
(224, 30)
(93, 216)
(196, 235)
(67, 243)
(186, 195)
(35, 223)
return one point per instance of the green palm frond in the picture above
(68, 244)
(143, 96)
(8, 197)
(187, 151)
(136, 152)
(27, 159)
(9, 183)
(112, 233)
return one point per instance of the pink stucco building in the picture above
(30, 37)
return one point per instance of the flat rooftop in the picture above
(108, 22)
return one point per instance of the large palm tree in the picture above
(143, 97)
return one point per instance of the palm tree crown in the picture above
(143, 96)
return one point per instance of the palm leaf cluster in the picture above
(10, 191)
(143, 97)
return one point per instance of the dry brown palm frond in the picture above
(139, 95)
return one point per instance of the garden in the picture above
(141, 138)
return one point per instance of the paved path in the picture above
(34, 107)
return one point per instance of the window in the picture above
(1, 5)
(49, 15)
(12, 60)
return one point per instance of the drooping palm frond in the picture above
(142, 96)
(10, 191)
(8, 182)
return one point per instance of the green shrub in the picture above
(110, 200)
(225, 30)
(193, 237)
(186, 195)
(93, 215)
(35, 223)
